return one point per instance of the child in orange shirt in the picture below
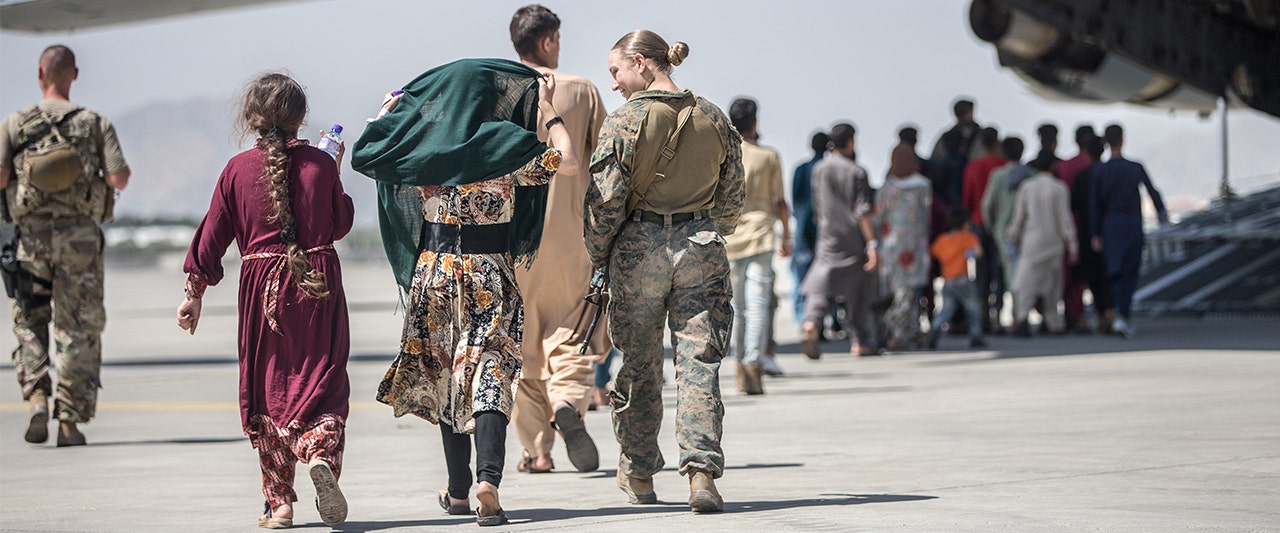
(953, 250)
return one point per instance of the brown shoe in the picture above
(809, 341)
(638, 490)
(703, 496)
(68, 435)
(38, 427)
(752, 383)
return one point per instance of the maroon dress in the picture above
(299, 374)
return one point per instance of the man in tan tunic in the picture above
(1040, 231)
(557, 381)
(751, 247)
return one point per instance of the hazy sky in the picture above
(877, 63)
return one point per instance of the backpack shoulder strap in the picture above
(49, 126)
(641, 186)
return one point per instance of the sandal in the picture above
(266, 521)
(453, 508)
(578, 444)
(496, 519)
(526, 464)
(491, 520)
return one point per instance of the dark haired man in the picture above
(806, 234)
(1040, 230)
(989, 279)
(1116, 219)
(557, 381)
(1073, 287)
(953, 150)
(56, 209)
(998, 200)
(751, 247)
(845, 256)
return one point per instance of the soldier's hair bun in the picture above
(677, 53)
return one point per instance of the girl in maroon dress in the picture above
(283, 205)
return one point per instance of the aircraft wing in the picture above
(67, 15)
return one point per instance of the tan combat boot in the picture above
(752, 383)
(68, 435)
(638, 490)
(741, 378)
(703, 496)
(38, 427)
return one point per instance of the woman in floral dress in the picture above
(903, 205)
(459, 359)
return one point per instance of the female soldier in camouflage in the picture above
(661, 240)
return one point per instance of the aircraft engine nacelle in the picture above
(1057, 67)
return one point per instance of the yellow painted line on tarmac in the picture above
(172, 406)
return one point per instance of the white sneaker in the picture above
(1122, 328)
(770, 366)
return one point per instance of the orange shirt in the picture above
(950, 248)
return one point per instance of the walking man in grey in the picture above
(846, 257)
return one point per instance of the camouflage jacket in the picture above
(615, 159)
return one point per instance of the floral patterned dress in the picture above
(460, 351)
(904, 208)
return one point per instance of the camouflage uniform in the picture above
(677, 271)
(60, 242)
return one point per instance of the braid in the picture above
(310, 281)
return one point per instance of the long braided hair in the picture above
(274, 107)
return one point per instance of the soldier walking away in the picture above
(557, 381)
(60, 168)
(667, 185)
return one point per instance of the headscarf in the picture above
(463, 122)
(903, 162)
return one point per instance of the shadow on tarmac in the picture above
(1238, 333)
(526, 516)
(148, 442)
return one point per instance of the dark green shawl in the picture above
(463, 122)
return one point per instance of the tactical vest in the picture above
(47, 182)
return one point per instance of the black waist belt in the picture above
(658, 218)
(465, 239)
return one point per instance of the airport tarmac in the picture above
(1175, 430)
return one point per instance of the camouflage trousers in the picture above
(679, 274)
(67, 252)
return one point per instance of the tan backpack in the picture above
(50, 162)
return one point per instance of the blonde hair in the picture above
(274, 107)
(654, 48)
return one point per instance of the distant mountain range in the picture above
(177, 151)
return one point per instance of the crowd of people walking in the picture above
(1039, 233)
(487, 171)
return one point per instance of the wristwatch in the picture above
(554, 120)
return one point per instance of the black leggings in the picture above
(491, 449)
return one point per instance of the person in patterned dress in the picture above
(904, 207)
(460, 357)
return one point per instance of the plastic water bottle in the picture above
(330, 142)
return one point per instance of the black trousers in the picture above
(491, 449)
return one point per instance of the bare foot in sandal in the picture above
(490, 512)
(279, 518)
(535, 465)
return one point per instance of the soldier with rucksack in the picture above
(60, 170)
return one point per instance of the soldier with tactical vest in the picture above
(667, 185)
(60, 168)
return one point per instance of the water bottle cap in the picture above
(337, 128)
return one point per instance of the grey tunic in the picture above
(841, 197)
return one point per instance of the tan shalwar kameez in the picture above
(556, 315)
(1042, 229)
